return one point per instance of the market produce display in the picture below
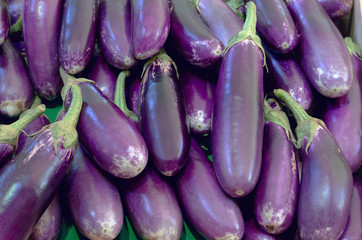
(180, 119)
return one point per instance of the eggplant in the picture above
(134, 94)
(253, 232)
(49, 225)
(29, 182)
(94, 201)
(10, 133)
(326, 187)
(322, 52)
(15, 9)
(101, 122)
(162, 117)
(191, 37)
(237, 122)
(198, 94)
(17, 92)
(276, 193)
(77, 34)
(152, 207)
(336, 8)
(149, 30)
(115, 33)
(4, 21)
(214, 214)
(222, 21)
(343, 116)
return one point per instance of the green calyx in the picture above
(120, 95)
(353, 48)
(17, 26)
(195, 3)
(306, 125)
(69, 81)
(235, 5)
(248, 32)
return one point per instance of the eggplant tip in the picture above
(12, 108)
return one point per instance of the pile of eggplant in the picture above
(228, 119)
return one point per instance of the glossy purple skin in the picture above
(29, 182)
(348, 110)
(222, 21)
(276, 194)
(162, 118)
(49, 225)
(336, 8)
(237, 124)
(4, 21)
(152, 206)
(31, 128)
(191, 37)
(103, 75)
(326, 188)
(150, 26)
(77, 34)
(93, 200)
(15, 9)
(6, 153)
(198, 94)
(41, 28)
(275, 25)
(253, 232)
(214, 214)
(286, 73)
(322, 52)
(353, 229)
(115, 33)
(134, 94)
(101, 122)
(16, 91)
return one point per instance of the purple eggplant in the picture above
(102, 74)
(191, 37)
(49, 225)
(353, 228)
(16, 93)
(237, 123)
(275, 199)
(343, 116)
(15, 9)
(286, 73)
(102, 122)
(9, 134)
(4, 21)
(162, 117)
(198, 94)
(253, 232)
(336, 8)
(115, 33)
(222, 21)
(152, 206)
(134, 94)
(77, 34)
(93, 200)
(326, 187)
(149, 30)
(29, 182)
(214, 214)
(322, 52)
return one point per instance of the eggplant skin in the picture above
(4, 21)
(337, 8)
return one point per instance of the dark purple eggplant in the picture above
(322, 52)
(77, 34)
(134, 94)
(9, 134)
(343, 116)
(198, 94)
(276, 193)
(16, 94)
(42, 19)
(101, 122)
(222, 21)
(152, 206)
(93, 200)
(237, 123)
(162, 117)
(149, 30)
(326, 187)
(4, 21)
(336, 8)
(191, 37)
(49, 225)
(15, 9)
(29, 182)
(115, 33)
(214, 214)
(286, 73)
(253, 232)
(102, 74)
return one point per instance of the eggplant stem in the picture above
(29, 116)
(17, 26)
(250, 21)
(75, 107)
